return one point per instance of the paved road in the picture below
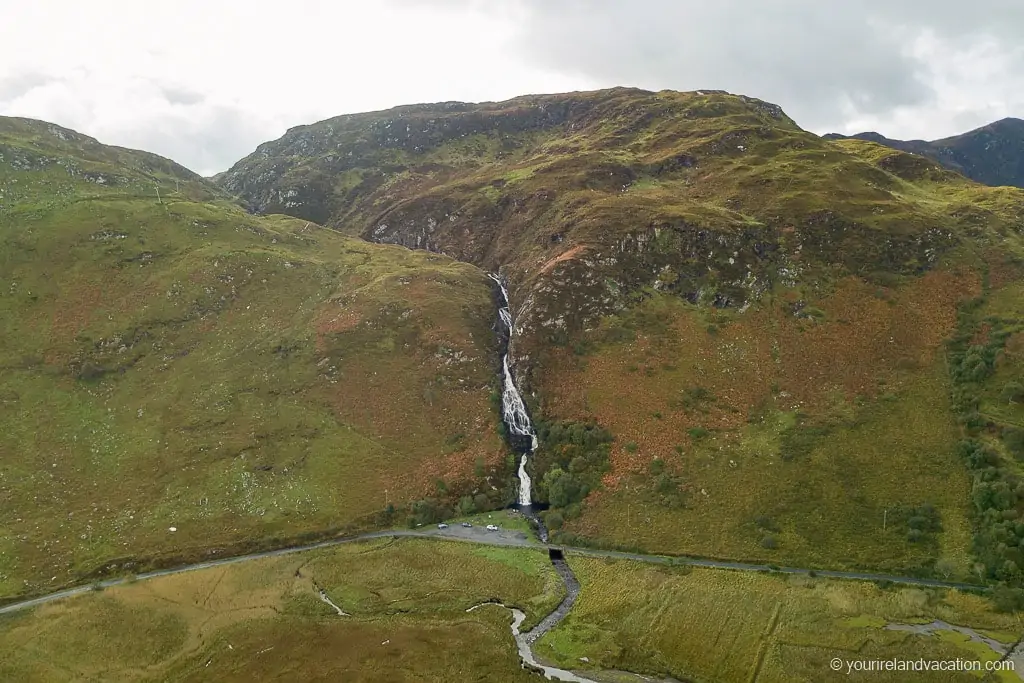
(480, 535)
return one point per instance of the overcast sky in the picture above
(205, 81)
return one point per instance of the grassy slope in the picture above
(263, 620)
(695, 261)
(179, 363)
(716, 626)
(851, 368)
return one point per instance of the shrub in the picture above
(1014, 440)
(768, 542)
(1013, 392)
(697, 433)
(812, 312)
(665, 484)
(945, 568)
(554, 520)
(801, 439)
(1008, 599)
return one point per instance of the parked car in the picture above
(442, 525)
(492, 527)
(466, 524)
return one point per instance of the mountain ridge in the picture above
(969, 153)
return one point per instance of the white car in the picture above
(492, 527)
(442, 525)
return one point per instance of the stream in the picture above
(1014, 652)
(525, 641)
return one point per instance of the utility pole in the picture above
(885, 516)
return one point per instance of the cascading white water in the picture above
(512, 406)
(524, 484)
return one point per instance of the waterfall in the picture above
(512, 407)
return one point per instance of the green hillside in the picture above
(179, 379)
(738, 339)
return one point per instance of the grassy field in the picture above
(714, 626)
(180, 379)
(406, 602)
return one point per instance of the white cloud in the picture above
(205, 81)
(917, 67)
(972, 84)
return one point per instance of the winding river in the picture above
(525, 641)
(1013, 652)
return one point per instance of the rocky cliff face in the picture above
(992, 154)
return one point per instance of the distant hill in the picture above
(992, 154)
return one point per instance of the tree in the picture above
(563, 487)
(945, 568)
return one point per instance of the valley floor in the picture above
(404, 597)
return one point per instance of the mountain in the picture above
(182, 380)
(737, 339)
(992, 154)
